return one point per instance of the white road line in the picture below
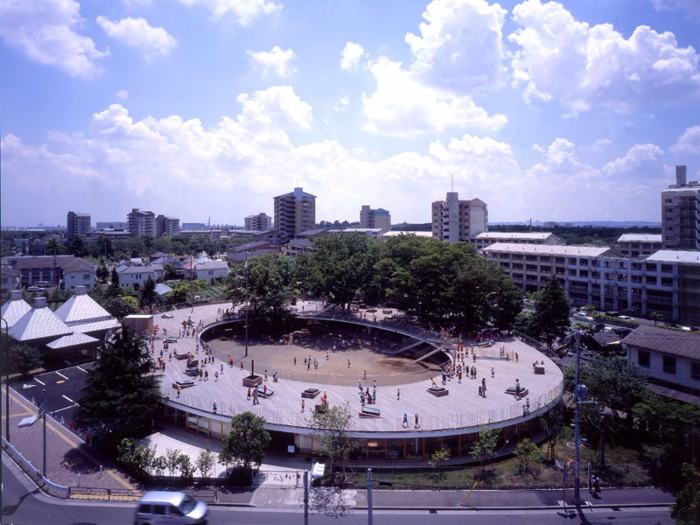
(40, 382)
(60, 374)
(81, 369)
(64, 408)
(69, 399)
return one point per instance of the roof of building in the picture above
(381, 211)
(552, 249)
(163, 289)
(674, 342)
(81, 308)
(689, 189)
(9, 271)
(75, 339)
(30, 262)
(79, 265)
(96, 326)
(505, 236)
(39, 323)
(300, 243)
(396, 233)
(688, 257)
(146, 268)
(213, 265)
(366, 231)
(14, 309)
(640, 237)
(313, 233)
(250, 246)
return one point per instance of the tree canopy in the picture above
(331, 427)
(246, 442)
(120, 393)
(551, 316)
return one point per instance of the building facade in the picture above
(458, 220)
(77, 224)
(141, 223)
(169, 226)
(259, 222)
(484, 239)
(113, 225)
(295, 212)
(667, 282)
(379, 218)
(636, 245)
(680, 213)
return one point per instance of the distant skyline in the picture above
(552, 111)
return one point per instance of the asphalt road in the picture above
(22, 504)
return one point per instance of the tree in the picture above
(246, 442)
(102, 273)
(120, 394)
(485, 448)
(686, 510)
(554, 427)
(186, 468)
(120, 307)
(528, 454)
(148, 296)
(437, 461)
(170, 272)
(171, 455)
(115, 289)
(205, 462)
(331, 426)
(54, 247)
(78, 247)
(25, 358)
(657, 317)
(551, 316)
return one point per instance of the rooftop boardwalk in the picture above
(463, 408)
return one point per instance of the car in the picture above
(34, 289)
(164, 507)
(625, 318)
(167, 316)
(43, 284)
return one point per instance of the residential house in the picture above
(211, 270)
(79, 272)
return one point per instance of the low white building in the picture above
(136, 276)
(638, 244)
(79, 272)
(211, 270)
(484, 239)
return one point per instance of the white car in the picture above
(625, 318)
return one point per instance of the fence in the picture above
(47, 485)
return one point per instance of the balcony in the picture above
(659, 300)
(578, 289)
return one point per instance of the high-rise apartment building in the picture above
(379, 218)
(260, 222)
(167, 226)
(294, 213)
(141, 223)
(77, 224)
(458, 220)
(680, 213)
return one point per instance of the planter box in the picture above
(438, 391)
(252, 381)
(310, 393)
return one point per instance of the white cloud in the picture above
(404, 107)
(688, 143)
(640, 160)
(461, 45)
(274, 60)
(136, 32)
(44, 30)
(278, 106)
(123, 94)
(583, 66)
(342, 103)
(244, 10)
(691, 6)
(600, 144)
(352, 53)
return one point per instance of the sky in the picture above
(206, 109)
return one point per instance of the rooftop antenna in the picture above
(453, 182)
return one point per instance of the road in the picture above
(22, 504)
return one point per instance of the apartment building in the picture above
(259, 222)
(635, 245)
(458, 220)
(112, 225)
(167, 226)
(295, 212)
(680, 213)
(141, 223)
(667, 282)
(379, 218)
(77, 224)
(484, 239)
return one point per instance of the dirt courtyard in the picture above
(279, 357)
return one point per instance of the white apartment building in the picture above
(167, 226)
(667, 282)
(141, 223)
(680, 213)
(259, 222)
(484, 239)
(458, 220)
(379, 218)
(77, 224)
(295, 212)
(635, 245)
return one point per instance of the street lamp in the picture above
(580, 394)
(247, 303)
(7, 379)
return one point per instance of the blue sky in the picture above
(572, 110)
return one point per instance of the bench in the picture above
(523, 391)
(310, 393)
(539, 369)
(192, 372)
(438, 391)
(370, 412)
(180, 357)
(183, 383)
(263, 393)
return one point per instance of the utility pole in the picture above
(306, 497)
(43, 411)
(369, 497)
(579, 394)
(247, 303)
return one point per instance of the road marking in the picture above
(60, 374)
(81, 369)
(64, 408)
(40, 382)
(69, 399)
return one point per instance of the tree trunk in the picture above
(601, 446)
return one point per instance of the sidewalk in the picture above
(72, 463)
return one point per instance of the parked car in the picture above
(34, 289)
(625, 318)
(177, 508)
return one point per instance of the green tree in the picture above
(186, 468)
(102, 273)
(551, 316)
(54, 247)
(121, 393)
(103, 247)
(528, 454)
(331, 426)
(205, 462)
(148, 296)
(78, 247)
(115, 289)
(171, 455)
(657, 317)
(246, 442)
(554, 428)
(686, 510)
(437, 461)
(170, 272)
(269, 291)
(485, 448)
(120, 307)
(24, 358)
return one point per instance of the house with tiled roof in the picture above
(211, 270)
(671, 358)
(79, 272)
(83, 314)
(10, 279)
(39, 325)
(137, 275)
(36, 268)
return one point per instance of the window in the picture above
(669, 365)
(159, 509)
(86, 276)
(643, 358)
(695, 370)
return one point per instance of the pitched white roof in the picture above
(14, 309)
(39, 323)
(640, 237)
(71, 340)
(81, 308)
(212, 265)
(96, 326)
(551, 249)
(163, 289)
(677, 256)
(505, 236)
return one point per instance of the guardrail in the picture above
(45, 484)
